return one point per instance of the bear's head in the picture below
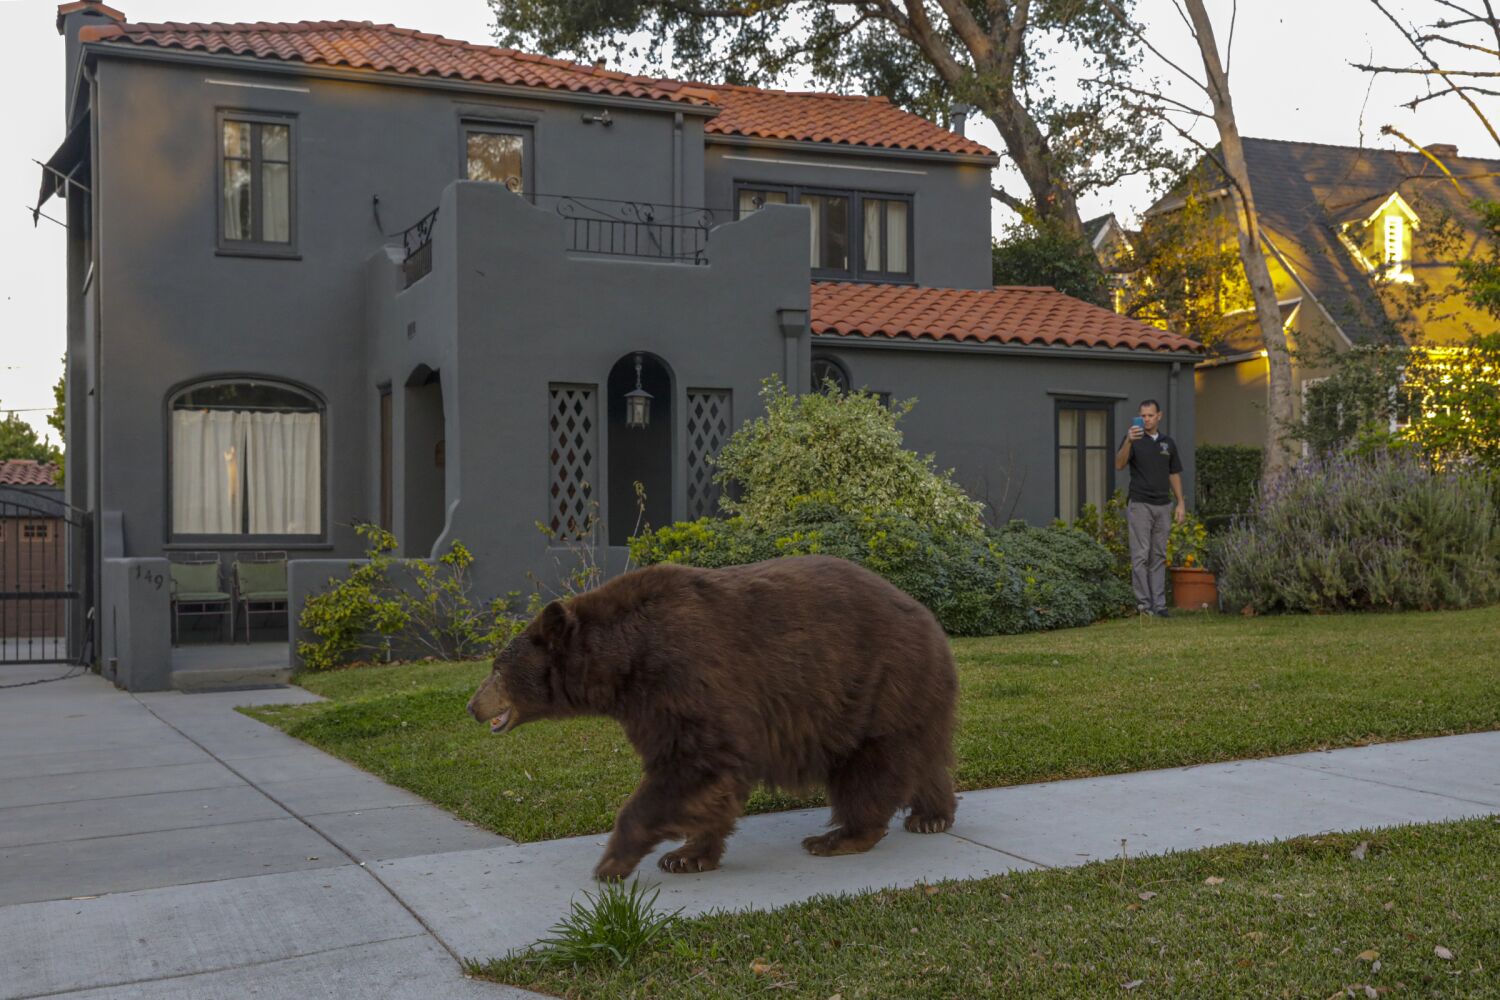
(528, 681)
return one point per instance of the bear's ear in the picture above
(557, 623)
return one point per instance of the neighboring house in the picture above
(1363, 247)
(32, 555)
(324, 273)
(1112, 248)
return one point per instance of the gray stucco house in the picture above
(325, 273)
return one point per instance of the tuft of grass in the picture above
(612, 926)
(1313, 917)
(1107, 699)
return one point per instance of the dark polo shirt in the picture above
(1151, 463)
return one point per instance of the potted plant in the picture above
(1193, 583)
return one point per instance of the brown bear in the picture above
(795, 672)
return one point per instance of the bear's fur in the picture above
(795, 672)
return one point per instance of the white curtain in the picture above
(207, 463)
(284, 455)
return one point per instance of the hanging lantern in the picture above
(637, 402)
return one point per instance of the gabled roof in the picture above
(1304, 191)
(1006, 315)
(27, 472)
(749, 112)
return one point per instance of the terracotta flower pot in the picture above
(1193, 588)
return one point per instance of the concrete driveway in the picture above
(165, 846)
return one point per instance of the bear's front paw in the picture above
(680, 862)
(613, 870)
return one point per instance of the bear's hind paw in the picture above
(928, 824)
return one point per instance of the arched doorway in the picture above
(639, 454)
(424, 482)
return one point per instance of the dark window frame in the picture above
(256, 247)
(525, 132)
(845, 383)
(245, 540)
(856, 196)
(1107, 406)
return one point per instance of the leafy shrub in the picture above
(1227, 476)
(1383, 531)
(1108, 527)
(842, 449)
(370, 613)
(614, 925)
(1006, 580)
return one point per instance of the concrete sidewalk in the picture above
(218, 856)
(165, 846)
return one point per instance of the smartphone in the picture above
(1138, 422)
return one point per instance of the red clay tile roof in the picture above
(747, 111)
(1005, 315)
(385, 47)
(832, 118)
(27, 472)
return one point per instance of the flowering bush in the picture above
(1380, 531)
(1187, 544)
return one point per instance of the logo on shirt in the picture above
(1166, 449)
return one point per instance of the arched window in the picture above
(824, 370)
(246, 458)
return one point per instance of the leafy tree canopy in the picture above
(1045, 253)
(1066, 136)
(18, 439)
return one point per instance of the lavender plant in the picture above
(1382, 531)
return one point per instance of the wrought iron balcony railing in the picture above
(609, 227)
(613, 228)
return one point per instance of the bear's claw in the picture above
(679, 863)
(928, 824)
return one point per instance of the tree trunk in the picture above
(1252, 254)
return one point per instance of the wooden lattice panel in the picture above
(574, 454)
(708, 427)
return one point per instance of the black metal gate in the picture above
(44, 566)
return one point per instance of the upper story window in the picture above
(855, 234)
(257, 183)
(1382, 242)
(497, 155)
(246, 458)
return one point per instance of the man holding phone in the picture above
(1155, 477)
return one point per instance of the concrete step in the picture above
(230, 666)
(238, 678)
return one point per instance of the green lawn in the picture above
(1302, 918)
(1119, 696)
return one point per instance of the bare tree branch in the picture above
(1414, 71)
(1139, 36)
(1424, 39)
(1009, 200)
(1410, 36)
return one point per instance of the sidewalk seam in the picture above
(421, 921)
(1382, 784)
(215, 969)
(998, 850)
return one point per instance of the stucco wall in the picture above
(950, 201)
(992, 417)
(507, 311)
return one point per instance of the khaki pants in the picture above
(1149, 526)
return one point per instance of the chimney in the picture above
(959, 115)
(72, 18)
(1442, 150)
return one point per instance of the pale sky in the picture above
(1290, 77)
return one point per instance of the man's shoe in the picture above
(1163, 613)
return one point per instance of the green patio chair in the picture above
(197, 592)
(260, 585)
